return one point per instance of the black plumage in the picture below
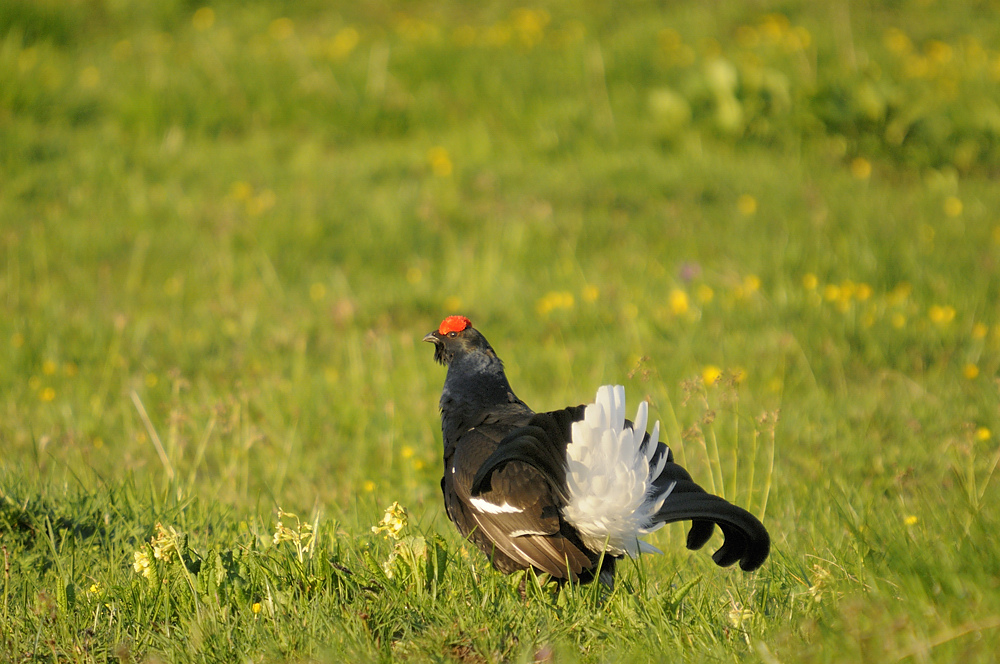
(505, 466)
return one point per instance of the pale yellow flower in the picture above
(142, 564)
(393, 521)
(165, 543)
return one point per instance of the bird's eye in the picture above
(453, 334)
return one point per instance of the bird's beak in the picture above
(432, 337)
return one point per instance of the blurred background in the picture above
(226, 227)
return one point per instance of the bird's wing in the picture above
(540, 443)
(514, 513)
(520, 516)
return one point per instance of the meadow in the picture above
(225, 228)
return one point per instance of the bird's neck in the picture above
(476, 381)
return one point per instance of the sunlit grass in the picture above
(224, 230)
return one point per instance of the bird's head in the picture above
(455, 338)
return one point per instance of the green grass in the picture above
(222, 236)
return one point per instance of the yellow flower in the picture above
(751, 283)
(979, 331)
(240, 191)
(368, 486)
(953, 206)
(281, 28)
(970, 371)
(898, 320)
(47, 394)
(440, 161)
(831, 292)
(809, 281)
(678, 301)
(900, 293)
(49, 367)
(203, 19)
(343, 43)
(261, 203)
(256, 608)
(705, 293)
(406, 452)
(90, 77)
(393, 521)
(983, 434)
(142, 564)
(746, 204)
(122, 50)
(861, 168)
(939, 52)
(710, 374)
(896, 41)
(554, 300)
(590, 293)
(738, 616)
(863, 292)
(910, 520)
(941, 315)
(300, 536)
(164, 543)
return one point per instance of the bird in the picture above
(569, 492)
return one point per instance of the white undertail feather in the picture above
(612, 499)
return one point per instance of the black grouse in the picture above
(554, 491)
